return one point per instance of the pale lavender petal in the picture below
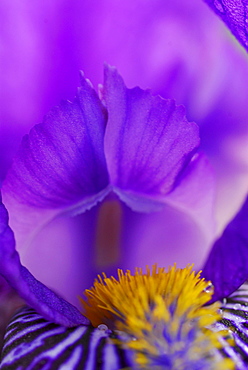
(68, 245)
(195, 194)
(235, 15)
(28, 221)
(181, 232)
(148, 142)
(46, 302)
(227, 264)
(61, 162)
(166, 237)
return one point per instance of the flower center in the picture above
(163, 316)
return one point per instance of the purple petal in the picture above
(234, 14)
(227, 264)
(46, 302)
(148, 142)
(61, 162)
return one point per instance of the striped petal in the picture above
(32, 343)
(234, 310)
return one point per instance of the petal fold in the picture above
(148, 142)
(234, 13)
(227, 264)
(45, 301)
(61, 162)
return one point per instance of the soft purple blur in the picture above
(179, 49)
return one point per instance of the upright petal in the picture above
(234, 14)
(46, 302)
(227, 264)
(148, 143)
(60, 164)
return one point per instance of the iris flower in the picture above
(20, 193)
(124, 147)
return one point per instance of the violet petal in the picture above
(61, 162)
(46, 302)
(227, 264)
(148, 142)
(234, 14)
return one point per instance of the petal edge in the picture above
(36, 294)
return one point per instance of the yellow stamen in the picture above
(163, 314)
